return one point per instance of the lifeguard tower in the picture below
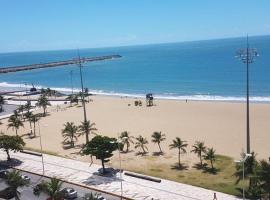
(149, 99)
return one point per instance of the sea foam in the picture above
(4, 86)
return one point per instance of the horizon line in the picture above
(134, 45)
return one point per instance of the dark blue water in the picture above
(194, 70)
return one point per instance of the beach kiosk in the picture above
(149, 99)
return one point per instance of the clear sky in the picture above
(28, 25)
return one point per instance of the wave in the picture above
(167, 96)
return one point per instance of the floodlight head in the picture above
(247, 155)
(247, 55)
(237, 161)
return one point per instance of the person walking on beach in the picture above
(215, 196)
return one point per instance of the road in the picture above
(27, 192)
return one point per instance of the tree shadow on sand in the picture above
(40, 115)
(80, 148)
(157, 153)
(199, 166)
(177, 167)
(210, 170)
(126, 152)
(67, 145)
(205, 168)
(141, 153)
(29, 135)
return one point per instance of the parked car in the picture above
(90, 196)
(3, 174)
(6, 193)
(27, 178)
(100, 197)
(37, 189)
(69, 193)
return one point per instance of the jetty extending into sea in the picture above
(55, 64)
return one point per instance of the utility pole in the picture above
(82, 95)
(247, 55)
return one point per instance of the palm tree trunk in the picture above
(34, 129)
(87, 136)
(159, 147)
(30, 124)
(103, 165)
(127, 147)
(212, 164)
(71, 141)
(200, 158)
(16, 195)
(179, 160)
(16, 130)
(143, 149)
(8, 156)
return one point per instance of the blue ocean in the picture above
(199, 70)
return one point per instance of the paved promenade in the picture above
(81, 173)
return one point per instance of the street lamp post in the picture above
(121, 180)
(120, 164)
(247, 55)
(41, 149)
(247, 155)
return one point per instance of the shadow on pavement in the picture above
(99, 177)
(11, 163)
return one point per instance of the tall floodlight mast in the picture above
(71, 81)
(82, 92)
(247, 55)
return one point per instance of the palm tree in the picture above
(141, 143)
(210, 155)
(34, 119)
(181, 146)
(91, 196)
(126, 139)
(52, 188)
(43, 102)
(264, 176)
(15, 113)
(28, 116)
(199, 148)
(157, 137)
(73, 98)
(15, 180)
(14, 123)
(251, 166)
(20, 110)
(2, 101)
(86, 128)
(28, 106)
(70, 132)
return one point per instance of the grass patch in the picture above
(223, 180)
(44, 151)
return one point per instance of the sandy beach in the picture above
(220, 125)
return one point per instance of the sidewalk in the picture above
(80, 173)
